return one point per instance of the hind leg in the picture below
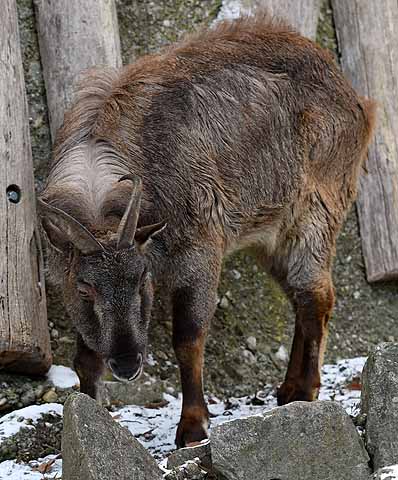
(313, 305)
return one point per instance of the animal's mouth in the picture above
(122, 375)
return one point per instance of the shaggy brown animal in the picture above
(243, 135)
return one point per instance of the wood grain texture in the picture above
(367, 35)
(24, 337)
(301, 14)
(74, 36)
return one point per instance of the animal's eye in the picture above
(86, 291)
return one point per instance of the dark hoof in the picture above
(191, 431)
(290, 392)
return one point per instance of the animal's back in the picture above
(230, 127)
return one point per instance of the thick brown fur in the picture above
(244, 135)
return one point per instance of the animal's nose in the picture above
(126, 367)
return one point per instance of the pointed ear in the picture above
(144, 235)
(55, 236)
(62, 230)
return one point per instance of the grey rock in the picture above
(251, 343)
(181, 456)
(96, 447)
(249, 357)
(224, 303)
(143, 391)
(188, 471)
(300, 441)
(28, 397)
(380, 404)
(51, 396)
(386, 473)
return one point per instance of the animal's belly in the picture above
(266, 237)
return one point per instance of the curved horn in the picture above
(75, 232)
(128, 223)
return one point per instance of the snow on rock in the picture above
(62, 377)
(155, 427)
(11, 423)
(387, 473)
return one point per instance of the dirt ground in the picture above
(251, 304)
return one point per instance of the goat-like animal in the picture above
(242, 135)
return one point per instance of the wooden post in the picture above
(24, 337)
(367, 33)
(301, 14)
(73, 36)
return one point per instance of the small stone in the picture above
(224, 302)
(50, 396)
(54, 334)
(357, 294)
(181, 456)
(282, 354)
(28, 397)
(251, 343)
(170, 390)
(39, 390)
(236, 274)
(3, 402)
(249, 357)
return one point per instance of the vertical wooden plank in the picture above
(367, 34)
(73, 36)
(301, 14)
(24, 337)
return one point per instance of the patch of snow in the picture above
(341, 383)
(11, 423)
(62, 377)
(11, 470)
(388, 473)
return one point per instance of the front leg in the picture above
(89, 366)
(193, 308)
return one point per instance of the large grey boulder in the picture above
(95, 447)
(380, 404)
(300, 441)
(386, 473)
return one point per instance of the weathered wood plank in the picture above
(301, 14)
(24, 337)
(367, 34)
(73, 36)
